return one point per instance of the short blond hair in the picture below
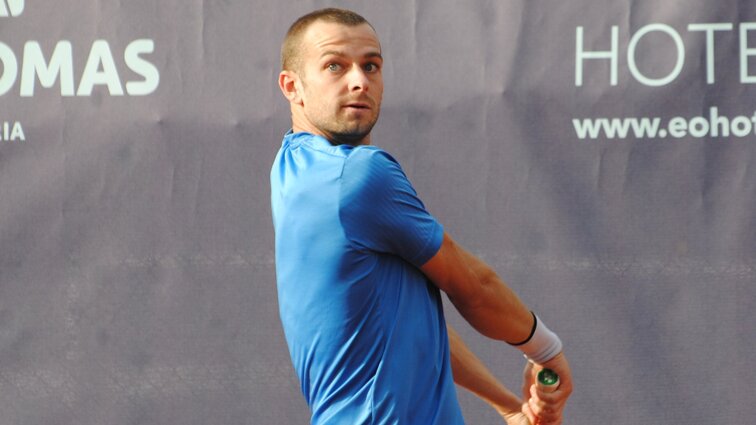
(290, 50)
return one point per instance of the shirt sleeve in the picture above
(380, 210)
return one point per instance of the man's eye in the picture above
(371, 67)
(333, 67)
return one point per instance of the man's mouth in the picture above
(357, 105)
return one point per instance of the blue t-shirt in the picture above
(365, 327)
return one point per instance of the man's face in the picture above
(341, 81)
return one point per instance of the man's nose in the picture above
(357, 79)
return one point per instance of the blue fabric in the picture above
(365, 328)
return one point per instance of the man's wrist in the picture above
(542, 345)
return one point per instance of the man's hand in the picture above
(518, 418)
(541, 407)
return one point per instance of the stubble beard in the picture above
(340, 130)
(345, 131)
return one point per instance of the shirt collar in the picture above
(312, 140)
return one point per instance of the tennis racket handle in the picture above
(548, 380)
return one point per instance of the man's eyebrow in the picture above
(342, 54)
(331, 53)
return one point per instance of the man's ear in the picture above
(288, 82)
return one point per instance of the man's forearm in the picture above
(471, 374)
(478, 293)
(490, 305)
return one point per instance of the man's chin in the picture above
(353, 135)
(349, 138)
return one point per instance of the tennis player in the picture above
(361, 264)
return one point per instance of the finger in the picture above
(553, 398)
(556, 398)
(528, 379)
(547, 419)
(545, 410)
(544, 422)
(529, 413)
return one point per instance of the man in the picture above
(360, 263)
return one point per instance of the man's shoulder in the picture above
(370, 159)
(371, 166)
(370, 177)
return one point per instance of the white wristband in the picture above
(543, 346)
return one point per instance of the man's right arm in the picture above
(478, 293)
(495, 311)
